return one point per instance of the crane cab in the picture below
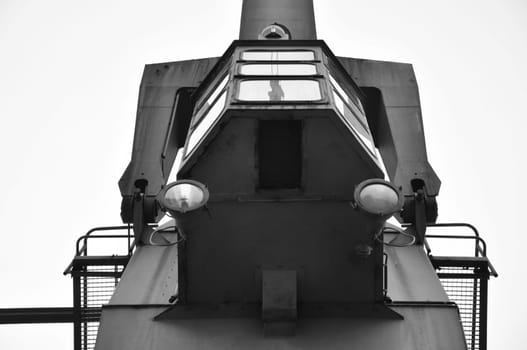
(279, 137)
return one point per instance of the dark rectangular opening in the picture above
(279, 154)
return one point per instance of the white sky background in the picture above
(69, 80)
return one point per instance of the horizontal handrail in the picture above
(480, 246)
(83, 250)
(455, 224)
(479, 251)
(88, 234)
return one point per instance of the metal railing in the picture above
(92, 234)
(95, 278)
(480, 247)
(465, 280)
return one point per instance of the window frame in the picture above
(237, 82)
(224, 93)
(199, 110)
(371, 149)
(316, 54)
(320, 77)
(240, 65)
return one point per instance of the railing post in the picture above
(84, 306)
(483, 282)
(475, 319)
(87, 310)
(77, 322)
(477, 270)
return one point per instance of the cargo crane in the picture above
(289, 161)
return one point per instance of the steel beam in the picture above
(36, 315)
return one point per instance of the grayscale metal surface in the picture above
(152, 156)
(150, 278)
(398, 124)
(297, 15)
(411, 276)
(282, 255)
(423, 327)
(278, 235)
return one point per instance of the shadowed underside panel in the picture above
(423, 327)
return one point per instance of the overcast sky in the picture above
(69, 80)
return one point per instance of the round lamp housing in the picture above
(378, 197)
(183, 196)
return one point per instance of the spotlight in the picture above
(378, 197)
(183, 196)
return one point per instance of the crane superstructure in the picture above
(290, 161)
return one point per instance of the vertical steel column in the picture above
(84, 307)
(476, 283)
(76, 311)
(298, 16)
(483, 284)
(182, 272)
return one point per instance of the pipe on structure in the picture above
(298, 16)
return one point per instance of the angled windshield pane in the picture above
(279, 90)
(278, 69)
(300, 55)
(354, 123)
(351, 100)
(205, 123)
(216, 92)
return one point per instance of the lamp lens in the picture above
(184, 197)
(378, 198)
